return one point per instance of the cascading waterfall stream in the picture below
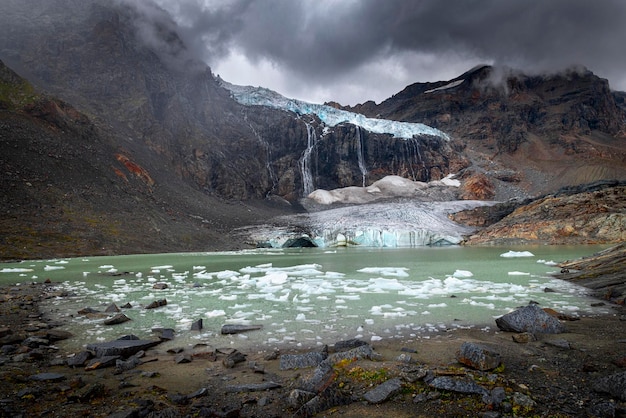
(305, 162)
(413, 150)
(360, 157)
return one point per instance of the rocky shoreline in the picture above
(518, 372)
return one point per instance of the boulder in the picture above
(121, 347)
(384, 391)
(614, 385)
(478, 356)
(117, 319)
(531, 319)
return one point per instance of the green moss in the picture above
(17, 95)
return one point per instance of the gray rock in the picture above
(233, 359)
(614, 385)
(101, 362)
(363, 352)
(79, 359)
(34, 342)
(478, 356)
(131, 363)
(167, 334)
(47, 377)
(120, 318)
(384, 391)
(112, 308)
(157, 304)
(460, 385)
(57, 334)
(299, 397)
(322, 376)
(183, 358)
(348, 344)
(495, 397)
(523, 400)
(564, 344)
(532, 319)
(238, 328)
(301, 361)
(121, 347)
(196, 325)
(252, 387)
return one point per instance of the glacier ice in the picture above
(395, 224)
(260, 96)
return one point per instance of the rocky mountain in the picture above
(115, 139)
(533, 134)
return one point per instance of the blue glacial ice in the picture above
(391, 224)
(260, 96)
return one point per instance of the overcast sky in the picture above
(351, 51)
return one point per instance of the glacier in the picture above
(391, 224)
(261, 96)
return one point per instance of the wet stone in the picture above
(121, 347)
(524, 337)
(112, 308)
(238, 328)
(321, 377)
(157, 304)
(117, 319)
(196, 325)
(79, 359)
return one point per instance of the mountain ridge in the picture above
(185, 163)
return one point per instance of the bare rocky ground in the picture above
(558, 375)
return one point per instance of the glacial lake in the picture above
(305, 297)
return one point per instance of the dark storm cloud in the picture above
(320, 39)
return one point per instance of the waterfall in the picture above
(413, 151)
(360, 159)
(305, 162)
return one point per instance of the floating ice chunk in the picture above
(161, 267)
(438, 305)
(382, 284)
(376, 338)
(300, 317)
(518, 273)
(15, 270)
(106, 266)
(49, 268)
(215, 313)
(386, 271)
(226, 274)
(462, 274)
(512, 254)
(229, 297)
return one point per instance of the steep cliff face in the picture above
(69, 188)
(540, 132)
(135, 75)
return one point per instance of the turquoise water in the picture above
(306, 297)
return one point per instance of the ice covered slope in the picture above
(401, 224)
(260, 96)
